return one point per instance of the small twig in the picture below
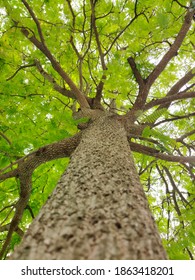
(180, 4)
(135, 7)
(20, 68)
(30, 210)
(175, 118)
(122, 32)
(175, 188)
(5, 137)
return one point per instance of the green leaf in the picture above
(155, 115)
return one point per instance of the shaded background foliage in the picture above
(33, 113)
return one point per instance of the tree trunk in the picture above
(98, 209)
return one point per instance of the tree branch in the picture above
(173, 94)
(136, 73)
(169, 99)
(93, 23)
(181, 138)
(104, 67)
(156, 153)
(49, 78)
(56, 86)
(20, 68)
(177, 86)
(80, 58)
(35, 20)
(5, 137)
(180, 4)
(24, 172)
(145, 87)
(78, 94)
(135, 7)
(182, 82)
(175, 118)
(60, 149)
(43, 48)
(122, 32)
(175, 188)
(176, 206)
(173, 49)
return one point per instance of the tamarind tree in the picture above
(102, 92)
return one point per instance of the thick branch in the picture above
(100, 87)
(60, 149)
(43, 48)
(136, 73)
(104, 67)
(24, 172)
(78, 94)
(173, 49)
(181, 138)
(49, 78)
(168, 99)
(155, 153)
(176, 87)
(35, 20)
(144, 89)
(182, 82)
(93, 23)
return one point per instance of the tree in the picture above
(99, 82)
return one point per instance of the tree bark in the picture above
(98, 209)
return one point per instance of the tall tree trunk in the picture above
(98, 209)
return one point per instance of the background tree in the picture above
(63, 66)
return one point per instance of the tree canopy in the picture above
(132, 58)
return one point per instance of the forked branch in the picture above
(145, 87)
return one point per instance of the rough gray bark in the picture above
(98, 209)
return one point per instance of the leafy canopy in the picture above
(131, 58)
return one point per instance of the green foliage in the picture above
(164, 142)
(154, 116)
(33, 113)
